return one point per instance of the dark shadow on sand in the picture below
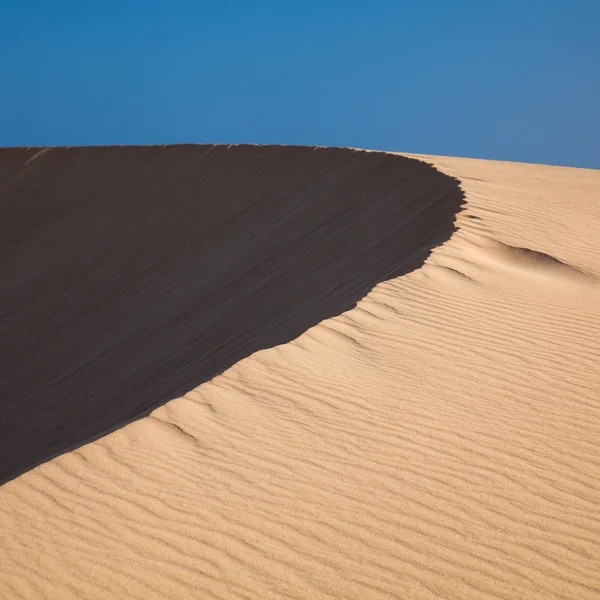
(131, 275)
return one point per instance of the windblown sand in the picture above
(303, 373)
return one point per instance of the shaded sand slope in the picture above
(132, 275)
(439, 440)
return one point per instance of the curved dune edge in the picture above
(135, 274)
(436, 441)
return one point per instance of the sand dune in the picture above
(140, 273)
(360, 375)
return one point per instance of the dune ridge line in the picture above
(141, 272)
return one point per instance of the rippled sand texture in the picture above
(434, 437)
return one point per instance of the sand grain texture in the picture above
(392, 381)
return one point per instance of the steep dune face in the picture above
(132, 275)
(437, 440)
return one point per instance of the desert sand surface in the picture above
(301, 373)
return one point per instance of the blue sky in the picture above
(511, 80)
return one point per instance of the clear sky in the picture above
(511, 80)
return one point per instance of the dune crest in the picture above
(434, 437)
(132, 275)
